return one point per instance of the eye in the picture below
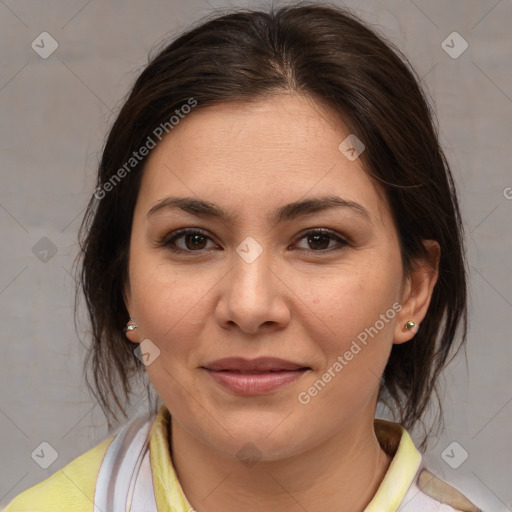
(319, 240)
(196, 240)
(193, 240)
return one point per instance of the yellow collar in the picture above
(393, 438)
(395, 441)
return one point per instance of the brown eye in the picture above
(186, 240)
(196, 241)
(319, 240)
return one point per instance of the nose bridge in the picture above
(251, 270)
(252, 295)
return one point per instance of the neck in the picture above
(341, 474)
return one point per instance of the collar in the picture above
(395, 441)
(393, 438)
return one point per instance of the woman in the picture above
(275, 239)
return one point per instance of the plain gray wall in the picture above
(54, 116)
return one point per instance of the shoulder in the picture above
(71, 489)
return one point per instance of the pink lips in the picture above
(256, 376)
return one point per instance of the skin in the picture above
(301, 301)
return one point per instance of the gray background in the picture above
(54, 114)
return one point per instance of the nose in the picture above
(253, 297)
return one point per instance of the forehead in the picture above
(250, 154)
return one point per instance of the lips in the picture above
(260, 365)
(254, 377)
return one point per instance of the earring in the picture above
(130, 326)
(410, 325)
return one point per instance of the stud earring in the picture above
(130, 326)
(410, 325)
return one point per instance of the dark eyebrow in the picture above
(290, 211)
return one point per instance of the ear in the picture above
(133, 335)
(417, 291)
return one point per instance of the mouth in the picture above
(259, 365)
(254, 377)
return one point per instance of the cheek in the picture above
(343, 305)
(171, 306)
(352, 318)
(355, 353)
(172, 302)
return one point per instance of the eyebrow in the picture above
(290, 211)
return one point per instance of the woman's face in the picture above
(257, 278)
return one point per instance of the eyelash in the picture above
(169, 242)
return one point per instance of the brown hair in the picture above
(327, 53)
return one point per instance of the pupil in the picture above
(316, 240)
(196, 243)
